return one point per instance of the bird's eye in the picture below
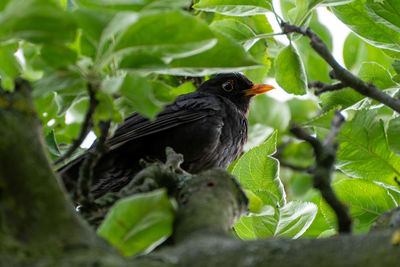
(227, 86)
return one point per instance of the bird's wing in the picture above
(185, 109)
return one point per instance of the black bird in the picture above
(208, 126)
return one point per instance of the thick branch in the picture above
(32, 205)
(86, 125)
(340, 73)
(325, 155)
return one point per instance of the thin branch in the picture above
(86, 126)
(88, 164)
(337, 123)
(324, 87)
(325, 155)
(340, 73)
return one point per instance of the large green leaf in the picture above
(386, 12)
(357, 19)
(290, 221)
(367, 202)
(38, 21)
(364, 150)
(356, 51)
(151, 33)
(225, 56)
(289, 70)
(139, 222)
(138, 91)
(235, 7)
(258, 172)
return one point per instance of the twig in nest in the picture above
(340, 73)
(324, 87)
(86, 126)
(325, 155)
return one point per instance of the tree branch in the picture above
(83, 195)
(86, 125)
(324, 87)
(325, 155)
(340, 73)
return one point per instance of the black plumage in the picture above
(209, 127)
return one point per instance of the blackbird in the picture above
(208, 126)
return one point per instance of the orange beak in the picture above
(258, 89)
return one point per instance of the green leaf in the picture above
(255, 203)
(225, 56)
(133, 5)
(57, 80)
(139, 92)
(92, 23)
(356, 18)
(64, 102)
(10, 67)
(298, 11)
(393, 135)
(138, 223)
(316, 68)
(364, 151)
(289, 69)
(291, 221)
(270, 112)
(260, 54)
(236, 30)
(367, 202)
(302, 110)
(258, 172)
(37, 21)
(235, 7)
(167, 94)
(375, 73)
(151, 34)
(356, 51)
(386, 12)
(58, 56)
(343, 98)
(52, 145)
(298, 154)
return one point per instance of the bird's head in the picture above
(236, 87)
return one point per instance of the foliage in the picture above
(142, 54)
